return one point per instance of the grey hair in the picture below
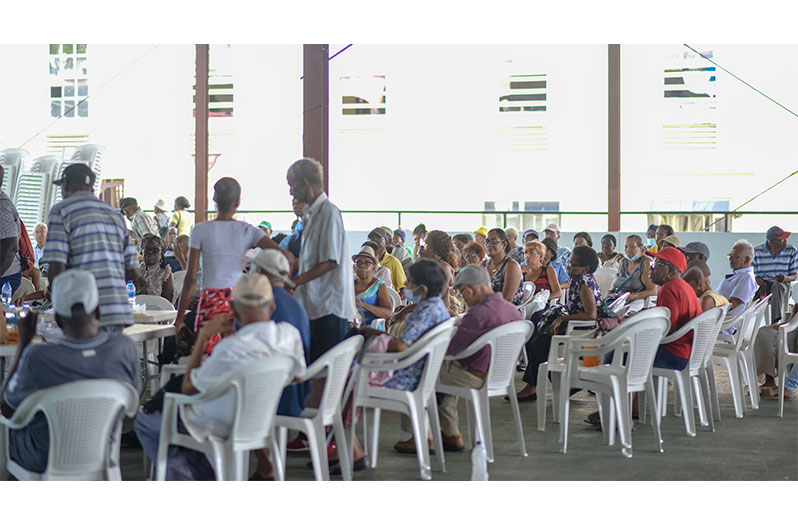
(40, 224)
(307, 169)
(747, 248)
(637, 239)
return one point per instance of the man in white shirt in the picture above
(739, 286)
(257, 338)
(40, 234)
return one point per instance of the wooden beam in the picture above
(201, 100)
(614, 139)
(316, 106)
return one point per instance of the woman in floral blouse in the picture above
(156, 274)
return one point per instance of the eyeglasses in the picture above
(364, 263)
(733, 256)
(151, 251)
(492, 242)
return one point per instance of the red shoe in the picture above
(331, 447)
(298, 444)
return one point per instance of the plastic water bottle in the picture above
(7, 293)
(11, 324)
(131, 293)
(479, 463)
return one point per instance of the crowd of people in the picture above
(243, 293)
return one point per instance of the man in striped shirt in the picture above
(85, 233)
(775, 267)
(141, 223)
(10, 267)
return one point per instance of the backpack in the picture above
(27, 257)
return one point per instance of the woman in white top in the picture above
(219, 245)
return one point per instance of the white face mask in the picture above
(412, 298)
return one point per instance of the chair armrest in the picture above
(686, 328)
(171, 370)
(404, 362)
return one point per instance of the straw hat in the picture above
(366, 252)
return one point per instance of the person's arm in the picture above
(27, 329)
(590, 313)
(551, 275)
(168, 289)
(788, 278)
(181, 258)
(316, 272)
(383, 308)
(512, 280)
(8, 250)
(189, 285)
(218, 325)
(651, 288)
(34, 275)
(735, 302)
(707, 302)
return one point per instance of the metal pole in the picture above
(316, 106)
(614, 138)
(201, 100)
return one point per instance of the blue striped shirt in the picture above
(767, 267)
(85, 233)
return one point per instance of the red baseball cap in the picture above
(671, 255)
(777, 233)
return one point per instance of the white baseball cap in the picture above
(253, 289)
(75, 293)
(274, 263)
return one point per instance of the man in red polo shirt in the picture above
(677, 295)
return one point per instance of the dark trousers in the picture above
(537, 352)
(325, 333)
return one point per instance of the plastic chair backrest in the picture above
(537, 303)
(644, 337)
(154, 303)
(505, 345)
(528, 292)
(396, 300)
(711, 345)
(25, 287)
(81, 417)
(434, 343)
(758, 314)
(619, 301)
(337, 361)
(604, 277)
(703, 328)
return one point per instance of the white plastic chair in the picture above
(691, 382)
(257, 391)
(785, 357)
(619, 302)
(746, 355)
(604, 277)
(396, 299)
(84, 423)
(419, 404)
(335, 365)
(25, 287)
(154, 303)
(538, 302)
(725, 353)
(505, 344)
(177, 278)
(638, 339)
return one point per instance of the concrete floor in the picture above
(760, 446)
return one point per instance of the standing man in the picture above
(775, 267)
(85, 233)
(266, 227)
(324, 281)
(380, 237)
(141, 223)
(10, 267)
(161, 218)
(40, 235)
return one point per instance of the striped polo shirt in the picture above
(85, 233)
(767, 267)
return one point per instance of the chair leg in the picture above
(556, 380)
(542, 392)
(343, 446)
(713, 389)
(782, 386)
(519, 429)
(565, 408)
(700, 400)
(437, 436)
(624, 422)
(374, 437)
(278, 453)
(482, 410)
(417, 418)
(686, 401)
(736, 386)
(652, 400)
(703, 384)
(747, 357)
(472, 431)
(282, 437)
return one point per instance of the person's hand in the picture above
(219, 325)
(359, 302)
(556, 325)
(27, 328)
(779, 278)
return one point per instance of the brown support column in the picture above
(201, 100)
(316, 106)
(614, 139)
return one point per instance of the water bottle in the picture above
(11, 324)
(479, 463)
(7, 293)
(131, 293)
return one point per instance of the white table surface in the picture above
(155, 317)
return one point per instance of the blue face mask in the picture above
(412, 298)
(632, 259)
(236, 325)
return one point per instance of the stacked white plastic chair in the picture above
(257, 392)
(636, 341)
(334, 365)
(419, 405)
(690, 383)
(84, 424)
(32, 188)
(785, 357)
(13, 162)
(505, 344)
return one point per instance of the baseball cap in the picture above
(273, 262)
(533, 232)
(160, 204)
(401, 233)
(265, 224)
(368, 252)
(671, 255)
(127, 202)
(471, 275)
(777, 233)
(652, 228)
(483, 231)
(75, 293)
(696, 248)
(382, 233)
(553, 227)
(673, 240)
(696, 270)
(78, 173)
(253, 289)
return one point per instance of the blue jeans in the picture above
(663, 360)
(14, 280)
(791, 381)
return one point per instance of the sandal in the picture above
(769, 392)
(594, 419)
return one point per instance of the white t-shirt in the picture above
(223, 245)
(9, 228)
(252, 343)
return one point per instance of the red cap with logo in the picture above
(671, 255)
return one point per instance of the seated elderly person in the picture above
(156, 274)
(531, 234)
(697, 275)
(633, 272)
(542, 275)
(550, 258)
(380, 272)
(516, 251)
(739, 286)
(399, 251)
(607, 256)
(583, 239)
(439, 247)
(765, 347)
(83, 353)
(695, 251)
(481, 234)
(371, 293)
(663, 231)
(474, 252)
(670, 241)
(486, 310)
(382, 238)
(775, 267)
(505, 273)
(257, 338)
(460, 241)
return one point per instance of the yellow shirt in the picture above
(720, 300)
(398, 277)
(183, 220)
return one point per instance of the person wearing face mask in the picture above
(633, 272)
(486, 311)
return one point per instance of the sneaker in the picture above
(298, 444)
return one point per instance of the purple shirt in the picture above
(493, 312)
